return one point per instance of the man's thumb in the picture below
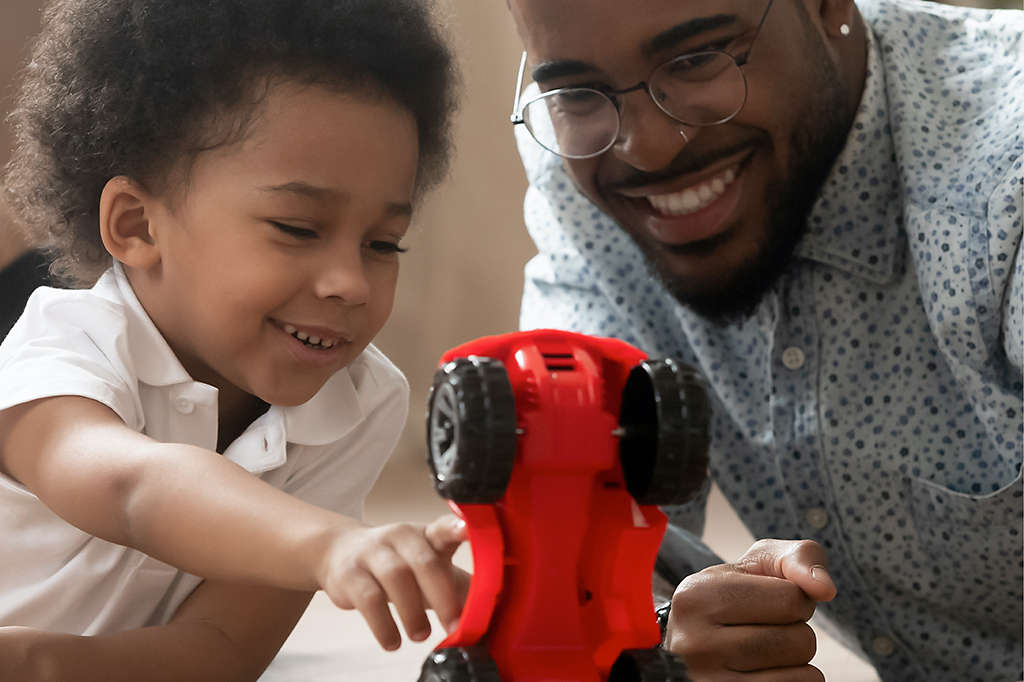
(803, 562)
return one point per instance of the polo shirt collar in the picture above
(153, 360)
(855, 223)
(337, 408)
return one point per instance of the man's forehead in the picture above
(585, 29)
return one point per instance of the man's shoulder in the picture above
(954, 86)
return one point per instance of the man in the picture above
(818, 204)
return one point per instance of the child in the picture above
(242, 172)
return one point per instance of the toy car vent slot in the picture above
(559, 362)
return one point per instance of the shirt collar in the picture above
(855, 223)
(338, 407)
(154, 362)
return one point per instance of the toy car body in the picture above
(556, 448)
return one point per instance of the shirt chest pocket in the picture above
(973, 544)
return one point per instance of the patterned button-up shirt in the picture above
(873, 402)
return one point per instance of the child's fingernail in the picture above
(820, 573)
(458, 524)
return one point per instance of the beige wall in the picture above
(462, 277)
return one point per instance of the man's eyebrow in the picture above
(546, 71)
(665, 40)
(393, 208)
(686, 30)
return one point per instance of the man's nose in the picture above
(649, 139)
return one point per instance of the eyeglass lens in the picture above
(700, 89)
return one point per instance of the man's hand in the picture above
(748, 619)
(407, 565)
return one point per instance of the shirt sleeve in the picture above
(65, 343)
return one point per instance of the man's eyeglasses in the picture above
(699, 89)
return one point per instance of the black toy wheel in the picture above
(648, 665)
(458, 664)
(471, 430)
(665, 421)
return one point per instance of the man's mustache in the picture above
(687, 161)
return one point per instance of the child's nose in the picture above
(343, 278)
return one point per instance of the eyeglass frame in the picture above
(516, 117)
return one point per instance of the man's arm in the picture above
(223, 632)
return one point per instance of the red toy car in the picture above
(556, 448)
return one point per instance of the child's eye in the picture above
(385, 247)
(299, 232)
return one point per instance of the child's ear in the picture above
(126, 227)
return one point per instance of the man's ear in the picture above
(126, 226)
(835, 14)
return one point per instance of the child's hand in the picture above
(407, 565)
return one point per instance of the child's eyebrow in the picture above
(303, 188)
(396, 208)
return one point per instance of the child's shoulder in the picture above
(69, 315)
(72, 342)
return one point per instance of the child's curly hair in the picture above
(137, 87)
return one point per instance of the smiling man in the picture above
(818, 204)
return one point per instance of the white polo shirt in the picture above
(100, 343)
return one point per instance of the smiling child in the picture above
(185, 447)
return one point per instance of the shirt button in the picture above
(793, 358)
(184, 405)
(883, 646)
(817, 518)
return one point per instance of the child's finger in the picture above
(398, 578)
(371, 601)
(445, 534)
(435, 576)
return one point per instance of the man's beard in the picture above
(817, 140)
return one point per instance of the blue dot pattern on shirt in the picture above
(873, 402)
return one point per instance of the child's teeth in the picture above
(328, 344)
(290, 329)
(314, 339)
(717, 186)
(302, 336)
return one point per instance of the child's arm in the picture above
(194, 509)
(223, 632)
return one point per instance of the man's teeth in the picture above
(309, 339)
(693, 198)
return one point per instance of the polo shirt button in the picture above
(883, 646)
(793, 358)
(817, 517)
(184, 405)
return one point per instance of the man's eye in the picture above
(291, 230)
(385, 247)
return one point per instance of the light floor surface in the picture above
(331, 645)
